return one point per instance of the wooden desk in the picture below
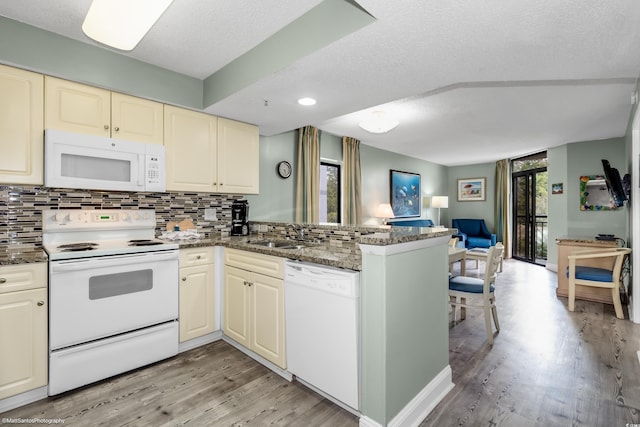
(458, 254)
(569, 245)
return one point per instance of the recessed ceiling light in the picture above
(307, 101)
(122, 23)
(378, 122)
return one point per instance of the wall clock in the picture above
(284, 169)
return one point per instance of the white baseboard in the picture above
(197, 342)
(552, 267)
(23, 399)
(421, 405)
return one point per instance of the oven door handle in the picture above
(114, 261)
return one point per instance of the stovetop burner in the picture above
(90, 233)
(82, 246)
(144, 242)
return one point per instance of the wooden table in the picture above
(458, 254)
(569, 245)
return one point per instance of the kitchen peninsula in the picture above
(403, 352)
(404, 341)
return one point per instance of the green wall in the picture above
(584, 158)
(558, 222)
(404, 327)
(37, 50)
(481, 209)
(276, 201)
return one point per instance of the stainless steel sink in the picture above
(280, 244)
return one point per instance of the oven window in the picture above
(87, 167)
(111, 285)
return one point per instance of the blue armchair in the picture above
(412, 223)
(474, 233)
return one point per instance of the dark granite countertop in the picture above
(27, 255)
(334, 253)
(567, 240)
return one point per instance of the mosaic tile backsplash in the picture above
(21, 209)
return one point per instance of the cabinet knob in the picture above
(184, 279)
(3, 280)
(106, 127)
(198, 257)
(117, 129)
(40, 303)
(221, 183)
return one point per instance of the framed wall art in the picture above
(471, 189)
(404, 193)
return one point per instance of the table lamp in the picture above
(439, 202)
(384, 211)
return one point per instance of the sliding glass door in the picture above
(530, 231)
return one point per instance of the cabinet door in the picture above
(23, 334)
(239, 157)
(237, 301)
(76, 108)
(21, 126)
(136, 119)
(268, 339)
(196, 301)
(190, 139)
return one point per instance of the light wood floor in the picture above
(547, 367)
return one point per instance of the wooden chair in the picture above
(597, 276)
(453, 242)
(472, 288)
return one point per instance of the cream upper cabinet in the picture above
(254, 303)
(23, 306)
(136, 119)
(239, 155)
(190, 139)
(75, 107)
(21, 126)
(197, 293)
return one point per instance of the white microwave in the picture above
(92, 162)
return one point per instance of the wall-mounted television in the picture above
(614, 184)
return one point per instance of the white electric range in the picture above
(113, 294)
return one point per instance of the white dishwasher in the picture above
(322, 328)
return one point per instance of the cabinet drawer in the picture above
(22, 277)
(258, 263)
(196, 256)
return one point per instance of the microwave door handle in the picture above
(142, 167)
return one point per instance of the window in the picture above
(330, 193)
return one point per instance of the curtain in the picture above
(351, 196)
(308, 176)
(502, 211)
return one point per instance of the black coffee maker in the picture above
(240, 218)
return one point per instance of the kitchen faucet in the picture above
(299, 230)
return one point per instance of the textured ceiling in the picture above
(470, 82)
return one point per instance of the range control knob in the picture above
(61, 217)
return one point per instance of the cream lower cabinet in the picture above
(197, 293)
(21, 126)
(23, 328)
(75, 107)
(254, 303)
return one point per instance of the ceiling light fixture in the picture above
(122, 23)
(378, 122)
(307, 101)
